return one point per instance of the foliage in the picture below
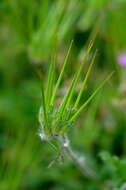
(33, 32)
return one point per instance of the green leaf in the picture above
(44, 109)
(85, 80)
(91, 97)
(67, 98)
(51, 76)
(61, 74)
(77, 74)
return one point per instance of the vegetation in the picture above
(62, 95)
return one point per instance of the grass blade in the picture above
(77, 74)
(66, 101)
(44, 107)
(91, 97)
(85, 80)
(50, 82)
(61, 74)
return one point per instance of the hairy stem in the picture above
(123, 187)
(86, 171)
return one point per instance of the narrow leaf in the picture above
(61, 74)
(67, 98)
(50, 82)
(44, 107)
(91, 97)
(77, 74)
(85, 80)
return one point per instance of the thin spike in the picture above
(68, 96)
(50, 82)
(77, 74)
(65, 99)
(44, 107)
(85, 80)
(91, 97)
(61, 73)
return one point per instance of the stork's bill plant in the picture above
(56, 121)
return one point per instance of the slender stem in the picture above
(123, 187)
(86, 171)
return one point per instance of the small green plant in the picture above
(115, 168)
(54, 120)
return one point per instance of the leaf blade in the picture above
(61, 74)
(91, 97)
(85, 81)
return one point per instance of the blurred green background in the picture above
(29, 30)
